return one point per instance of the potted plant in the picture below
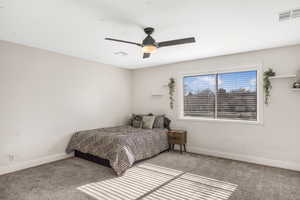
(267, 84)
(171, 86)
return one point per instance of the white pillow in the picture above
(148, 122)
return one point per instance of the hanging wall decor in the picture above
(267, 84)
(171, 86)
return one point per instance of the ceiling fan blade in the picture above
(123, 41)
(146, 55)
(176, 42)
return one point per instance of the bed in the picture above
(118, 147)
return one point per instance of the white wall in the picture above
(45, 97)
(276, 142)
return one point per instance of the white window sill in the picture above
(201, 119)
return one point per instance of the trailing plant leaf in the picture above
(267, 84)
(171, 86)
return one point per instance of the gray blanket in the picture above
(122, 145)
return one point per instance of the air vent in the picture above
(296, 13)
(290, 14)
(285, 15)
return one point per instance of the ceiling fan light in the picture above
(149, 49)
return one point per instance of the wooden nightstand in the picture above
(177, 137)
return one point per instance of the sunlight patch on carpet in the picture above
(153, 182)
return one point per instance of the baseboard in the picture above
(245, 158)
(193, 149)
(33, 163)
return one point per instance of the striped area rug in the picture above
(152, 182)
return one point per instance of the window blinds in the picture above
(222, 95)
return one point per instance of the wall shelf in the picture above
(295, 89)
(284, 76)
(156, 94)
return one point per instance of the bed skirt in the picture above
(102, 161)
(92, 158)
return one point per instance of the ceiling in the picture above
(78, 27)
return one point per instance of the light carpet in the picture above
(153, 182)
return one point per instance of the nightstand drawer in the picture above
(176, 141)
(176, 137)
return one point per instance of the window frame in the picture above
(257, 68)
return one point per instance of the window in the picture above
(230, 96)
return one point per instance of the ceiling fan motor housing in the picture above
(149, 41)
(149, 30)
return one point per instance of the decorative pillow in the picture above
(137, 117)
(148, 122)
(137, 123)
(159, 121)
(167, 122)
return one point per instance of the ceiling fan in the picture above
(149, 45)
